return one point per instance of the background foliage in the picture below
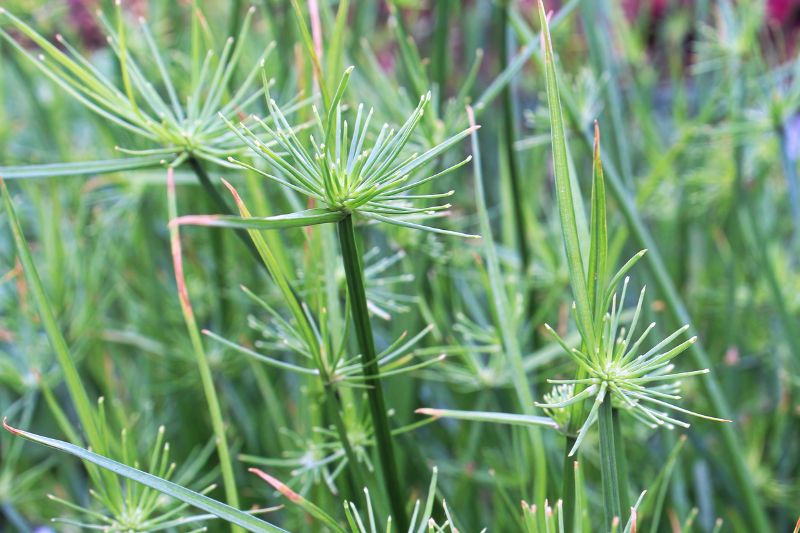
(697, 104)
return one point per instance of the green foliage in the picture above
(277, 335)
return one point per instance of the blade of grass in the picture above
(226, 512)
(566, 208)
(207, 379)
(486, 416)
(80, 168)
(73, 381)
(503, 311)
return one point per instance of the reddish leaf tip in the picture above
(11, 430)
(276, 484)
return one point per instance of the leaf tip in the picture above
(277, 485)
(10, 429)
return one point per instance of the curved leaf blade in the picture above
(81, 168)
(308, 217)
(219, 509)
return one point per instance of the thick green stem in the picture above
(568, 487)
(608, 464)
(369, 360)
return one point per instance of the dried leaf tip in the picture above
(596, 140)
(11, 430)
(277, 485)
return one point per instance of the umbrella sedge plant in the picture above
(347, 177)
(531, 366)
(612, 366)
(176, 122)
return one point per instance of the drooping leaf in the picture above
(219, 509)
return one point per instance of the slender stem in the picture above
(507, 136)
(206, 377)
(222, 205)
(622, 465)
(731, 442)
(439, 61)
(568, 487)
(369, 360)
(608, 463)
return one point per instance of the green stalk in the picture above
(568, 487)
(206, 378)
(731, 444)
(212, 192)
(443, 12)
(106, 482)
(72, 379)
(608, 463)
(507, 137)
(305, 322)
(369, 361)
(504, 322)
(622, 465)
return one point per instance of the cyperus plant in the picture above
(609, 366)
(176, 120)
(350, 177)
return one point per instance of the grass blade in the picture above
(219, 509)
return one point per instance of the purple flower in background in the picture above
(81, 16)
(782, 10)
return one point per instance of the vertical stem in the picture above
(622, 465)
(369, 361)
(222, 205)
(568, 487)
(206, 377)
(439, 61)
(507, 136)
(608, 463)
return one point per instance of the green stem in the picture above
(622, 465)
(608, 463)
(439, 61)
(206, 377)
(212, 192)
(568, 487)
(731, 443)
(369, 360)
(507, 136)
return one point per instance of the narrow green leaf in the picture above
(77, 391)
(504, 313)
(566, 208)
(81, 168)
(203, 367)
(335, 52)
(486, 416)
(219, 509)
(309, 217)
(598, 247)
(308, 41)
